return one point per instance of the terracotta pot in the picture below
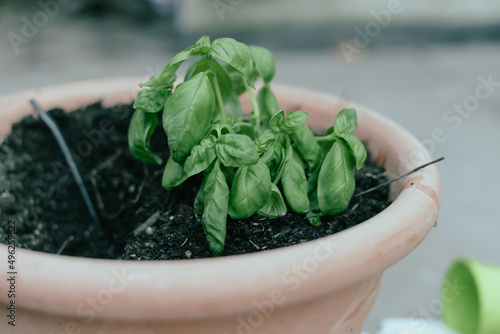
(324, 286)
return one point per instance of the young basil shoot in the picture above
(265, 163)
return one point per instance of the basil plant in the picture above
(264, 163)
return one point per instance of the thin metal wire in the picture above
(399, 177)
(52, 125)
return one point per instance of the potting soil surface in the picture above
(139, 219)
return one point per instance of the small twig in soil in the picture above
(163, 218)
(150, 221)
(354, 207)
(51, 124)
(63, 246)
(254, 244)
(93, 173)
(106, 163)
(399, 177)
(127, 176)
(141, 187)
(184, 242)
(100, 203)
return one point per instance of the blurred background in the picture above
(432, 66)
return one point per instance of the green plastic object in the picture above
(470, 297)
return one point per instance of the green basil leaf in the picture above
(221, 79)
(305, 142)
(246, 129)
(236, 78)
(165, 78)
(265, 64)
(234, 150)
(282, 140)
(233, 108)
(327, 145)
(277, 121)
(141, 129)
(336, 181)
(219, 73)
(314, 218)
(152, 100)
(188, 114)
(268, 104)
(233, 53)
(275, 206)
(357, 149)
(173, 175)
(224, 81)
(312, 189)
(199, 202)
(167, 75)
(345, 122)
(294, 184)
(250, 190)
(297, 157)
(218, 129)
(196, 67)
(293, 121)
(216, 199)
(265, 140)
(202, 156)
(203, 41)
(314, 213)
(274, 158)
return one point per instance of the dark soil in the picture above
(139, 219)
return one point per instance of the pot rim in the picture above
(298, 272)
